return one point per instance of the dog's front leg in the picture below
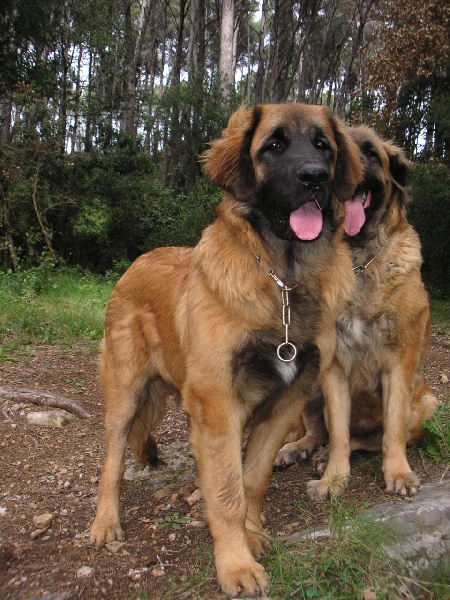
(216, 433)
(397, 390)
(262, 447)
(337, 411)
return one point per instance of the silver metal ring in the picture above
(293, 350)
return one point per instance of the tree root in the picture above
(45, 399)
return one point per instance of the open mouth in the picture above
(307, 221)
(355, 215)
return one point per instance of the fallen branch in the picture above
(45, 399)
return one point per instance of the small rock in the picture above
(187, 489)
(43, 521)
(163, 493)
(85, 571)
(114, 546)
(136, 574)
(194, 497)
(157, 572)
(54, 418)
(197, 523)
(136, 472)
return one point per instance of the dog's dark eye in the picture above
(372, 154)
(322, 144)
(275, 145)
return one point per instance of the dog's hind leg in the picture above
(152, 406)
(131, 414)
(120, 412)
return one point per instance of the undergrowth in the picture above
(349, 563)
(43, 305)
(437, 437)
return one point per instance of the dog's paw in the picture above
(320, 459)
(290, 454)
(403, 484)
(258, 542)
(102, 534)
(242, 578)
(320, 489)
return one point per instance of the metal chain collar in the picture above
(286, 346)
(361, 269)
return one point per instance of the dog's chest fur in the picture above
(259, 375)
(364, 340)
(368, 328)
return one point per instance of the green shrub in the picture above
(437, 437)
(429, 212)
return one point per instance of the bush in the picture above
(429, 212)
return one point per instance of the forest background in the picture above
(105, 106)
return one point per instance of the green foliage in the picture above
(128, 212)
(437, 437)
(41, 305)
(174, 521)
(99, 209)
(429, 212)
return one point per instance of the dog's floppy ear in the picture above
(399, 165)
(228, 162)
(349, 170)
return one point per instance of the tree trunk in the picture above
(76, 105)
(129, 86)
(45, 233)
(260, 83)
(227, 43)
(6, 105)
(88, 134)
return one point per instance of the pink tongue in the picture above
(354, 215)
(306, 221)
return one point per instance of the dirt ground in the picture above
(56, 471)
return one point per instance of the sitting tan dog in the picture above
(376, 395)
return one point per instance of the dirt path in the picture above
(56, 471)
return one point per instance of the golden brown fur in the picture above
(382, 339)
(205, 323)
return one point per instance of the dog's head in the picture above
(386, 176)
(286, 164)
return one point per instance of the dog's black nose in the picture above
(312, 176)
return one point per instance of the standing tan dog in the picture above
(382, 337)
(240, 326)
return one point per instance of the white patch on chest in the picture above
(287, 370)
(357, 330)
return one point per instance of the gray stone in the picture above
(85, 571)
(43, 521)
(49, 418)
(420, 540)
(178, 468)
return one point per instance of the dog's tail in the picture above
(152, 406)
